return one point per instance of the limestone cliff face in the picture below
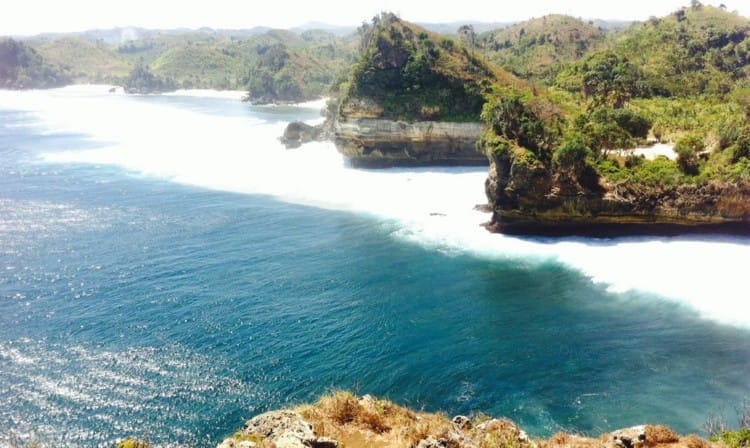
(528, 198)
(376, 143)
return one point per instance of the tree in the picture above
(468, 36)
(142, 80)
(572, 154)
(608, 129)
(513, 116)
(365, 32)
(609, 80)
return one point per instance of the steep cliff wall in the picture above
(376, 143)
(527, 197)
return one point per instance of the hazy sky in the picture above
(34, 16)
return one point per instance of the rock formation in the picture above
(413, 99)
(365, 421)
(378, 143)
(297, 133)
(283, 429)
(528, 197)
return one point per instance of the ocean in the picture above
(168, 270)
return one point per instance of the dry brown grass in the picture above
(501, 434)
(658, 434)
(693, 441)
(369, 422)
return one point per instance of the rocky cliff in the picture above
(414, 98)
(528, 197)
(377, 143)
(343, 420)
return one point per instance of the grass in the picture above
(359, 422)
(660, 434)
(368, 421)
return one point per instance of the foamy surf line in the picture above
(429, 207)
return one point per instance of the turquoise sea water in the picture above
(139, 298)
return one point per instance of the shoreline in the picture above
(342, 419)
(429, 207)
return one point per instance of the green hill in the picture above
(84, 61)
(697, 50)
(276, 65)
(201, 65)
(409, 73)
(21, 67)
(283, 66)
(536, 49)
(702, 49)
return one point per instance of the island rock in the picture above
(413, 99)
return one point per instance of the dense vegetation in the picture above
(537, 49)
(84, 61)
(21, 67)
(273, 65)
(681, 79)
(696, 50)
(412, 74)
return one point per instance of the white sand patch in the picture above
(659, 149)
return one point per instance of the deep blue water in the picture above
(134, 306)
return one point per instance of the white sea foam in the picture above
(430, 207)
(208, 93)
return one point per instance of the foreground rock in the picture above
(345, 420)
(298, 133)
(283, 429)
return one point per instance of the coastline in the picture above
(412, 221)
(429, 207)
(342, 419)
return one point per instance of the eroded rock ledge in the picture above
(344, 420)
(381, 143)
(528, 198)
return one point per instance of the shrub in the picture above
(572, 154)
(660, 171)
(660, 434)
(343, 407)
(740, 148)
(734, 439)
(133, 443)
(687, 149)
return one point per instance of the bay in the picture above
(168, 270)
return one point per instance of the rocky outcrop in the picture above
(298, 133)
(378, 143)
(527, 197)
(413, 99)
(282, 429)
(367, 421)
